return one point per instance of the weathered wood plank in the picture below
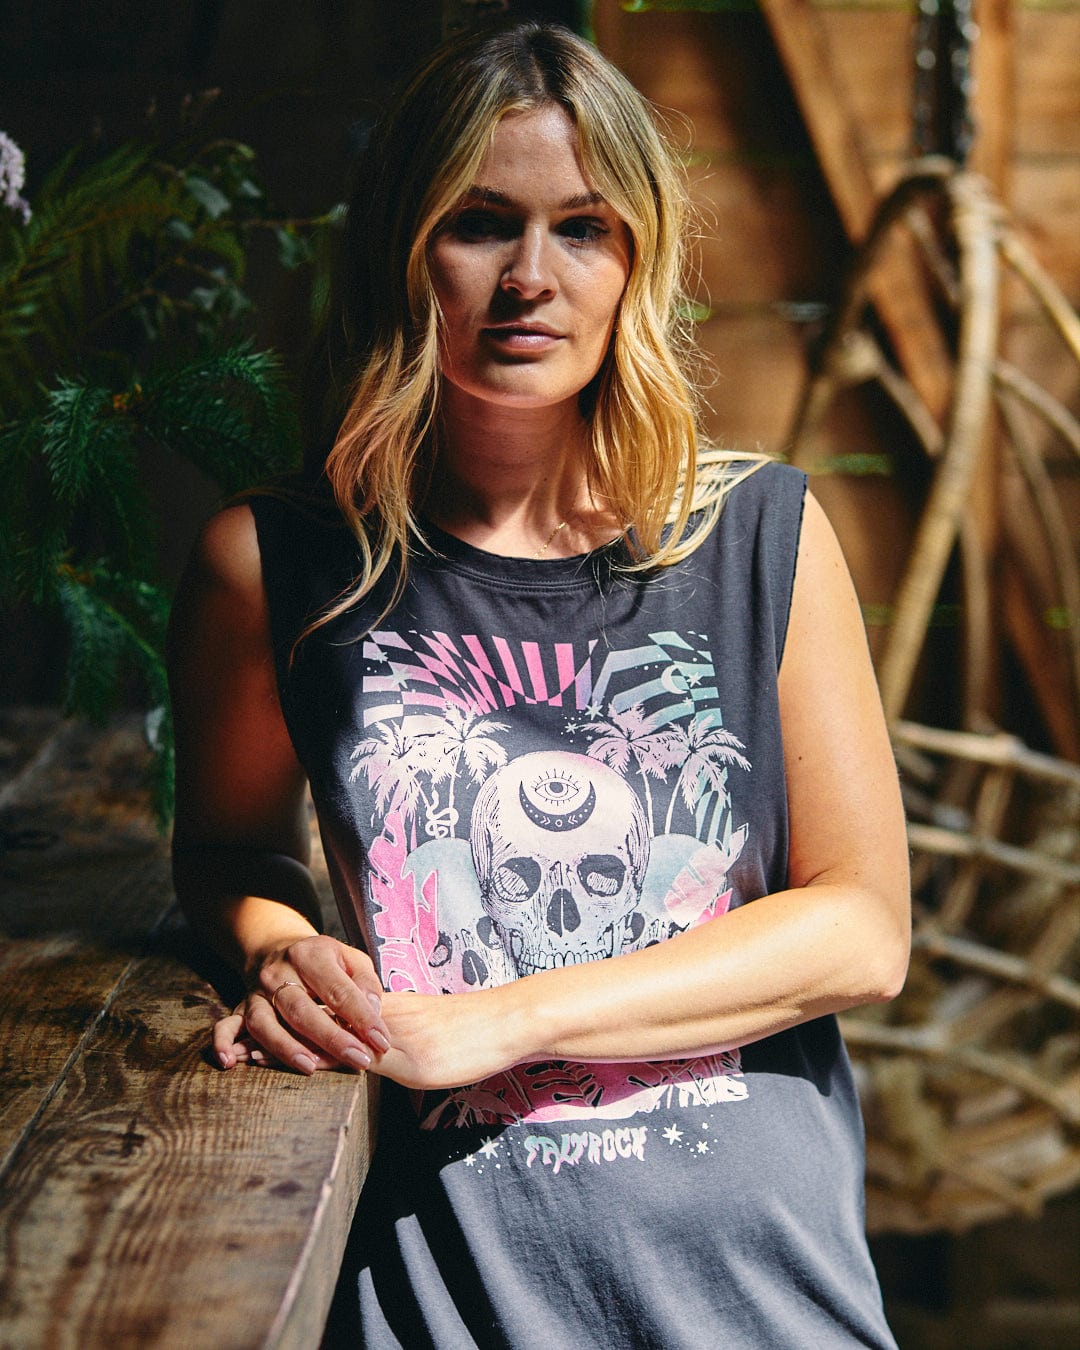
(74, 910)
(160, 1202)
(52, 993)
(147, 1198)
(897, 287)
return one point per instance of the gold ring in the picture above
(283, 985)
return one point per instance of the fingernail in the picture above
(224, 1060)
(377, 1039)
(304, 1063)
(376, 1002)
(357, 1058)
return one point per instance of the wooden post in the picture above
(897, 289)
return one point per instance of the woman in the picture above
(565, 713)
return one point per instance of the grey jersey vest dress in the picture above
(528, 764)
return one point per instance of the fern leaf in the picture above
(230, 413)
(68, 443)
(117, 624)
(96, 645)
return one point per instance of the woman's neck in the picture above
(513, 482)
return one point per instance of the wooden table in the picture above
(146, 1198)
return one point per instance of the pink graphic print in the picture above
(488, 867)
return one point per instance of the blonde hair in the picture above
(643, 452)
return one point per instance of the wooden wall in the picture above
(298, 81)
(776, 242)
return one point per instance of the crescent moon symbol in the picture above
(667, 679)
(551, 820)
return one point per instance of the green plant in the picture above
(124, 322)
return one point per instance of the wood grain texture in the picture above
(75, 909)
(897, 288)
(147, 1198)
(162, 1202)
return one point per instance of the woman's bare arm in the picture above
(241, 843)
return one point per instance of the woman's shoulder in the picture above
(227, 548)
(747, 493)
(762, 478)
(253, 533)
(221, 590)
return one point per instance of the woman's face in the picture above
(529, 269)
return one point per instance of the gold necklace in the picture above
(549, 540)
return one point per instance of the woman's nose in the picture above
(530, 269)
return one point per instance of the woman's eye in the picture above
(583, 229)
(477, 225)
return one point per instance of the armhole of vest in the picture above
(795, 536)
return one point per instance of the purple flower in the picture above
(13, 176)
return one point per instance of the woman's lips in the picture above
(523, 337)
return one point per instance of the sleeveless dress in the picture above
(528, 764)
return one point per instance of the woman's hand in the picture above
(449, 1040)
(315, 1004)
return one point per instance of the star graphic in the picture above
(702, 1147)
(693, 679)
(673, 1134)
(470, 1160)
(489, 1148)
(594, 710)
(571, 726)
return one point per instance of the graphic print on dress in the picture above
(497, 855)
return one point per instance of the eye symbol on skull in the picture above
(549, 802)
(555, 787)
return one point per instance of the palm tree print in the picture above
(392, 762)
(634, 735)
(704, 752)
(462, 739)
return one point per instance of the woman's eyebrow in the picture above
(490, 197)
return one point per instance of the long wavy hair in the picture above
(643, 457)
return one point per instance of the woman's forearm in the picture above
(244, 902)
(748, 974)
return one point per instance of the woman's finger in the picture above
(233, 1042)
(357, 1007)
(300, 1033)
(336, 976)
(227, 1039)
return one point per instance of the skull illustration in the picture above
(560, 846)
